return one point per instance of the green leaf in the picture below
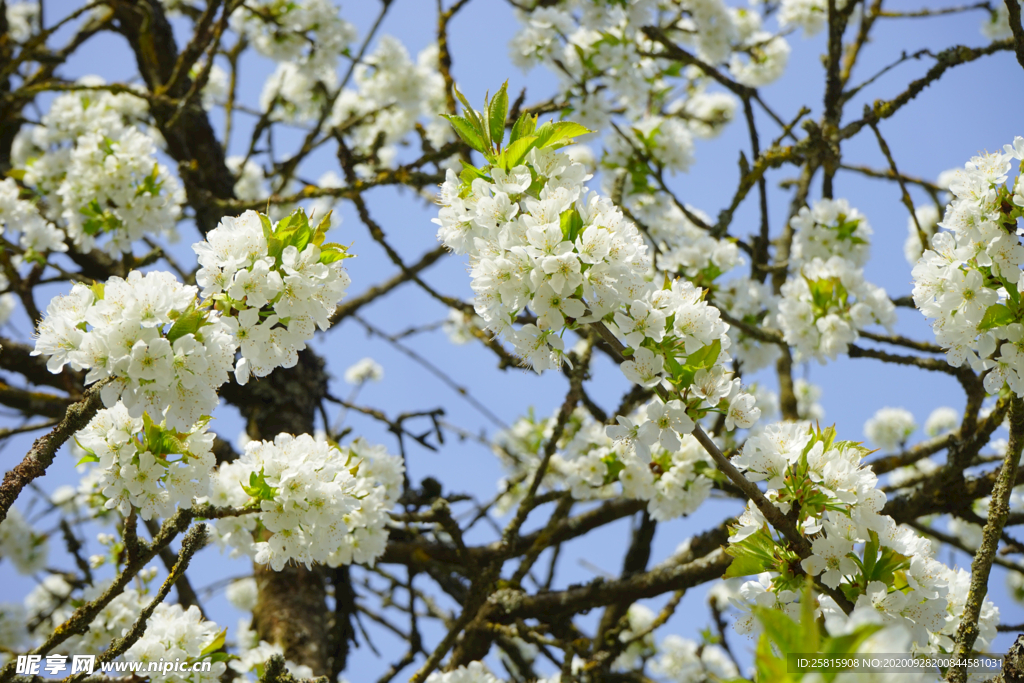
(485, 121)
(90, 455)
(571, 224)
(559, 131)
(331, 252)
(16, 173)
(321, 229)
(1011, 289)
(150, 185)
(614, 466)
(215, 644)
(808, 623)
(870, 555)
(706, 356)
(471, 115)
(674, 366)
(160, 441)
(471, 173)
(768, 666)
(461, 98)
(258, 487)
(524, 125)
(222, 657)
(496, 114)
(517, 151)
(294, 230)
(99, 219)
(188, 322)
(997, 315)
(889, 562)
(287, 226)
(821, 292)
(268, 227)
(468, 132)
(753, 555)
(149, 428)
(782, 630)
(544, 133)
(849, 643)
(98, 289)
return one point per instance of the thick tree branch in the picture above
(41, 455)
(981, 567)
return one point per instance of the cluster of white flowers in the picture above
(668, 141)
(603, 61)
(278, 284)
(831, 228)
(890, 428)
(115, 186)
(22, 545)
(474, 672)
(172, 632)
(144, 465)
(665, 466)
(243, 594)
(683, 660)
(996, 24)
(366, 370)
(801, 464)
(750, 301)
(249, 185)
(164, 355)
(54, 601)
(21, 216)
(8, 302)
(826, 300)
(266, 289)
(809, 15)
(252, 653)
(13, 631)
(969, 281)
(538, 239)
(760, 57)
(177, 634)
(22, 19)
(215, 90)
(308, 33)
(98, 170)
(825, 304)
(292, 93)
(392, 93)
(639, 637)
(706, 113)
(521, 256)
(322, 503)
(682, 247)
(462, 327)
(807, 397)
(686, 250)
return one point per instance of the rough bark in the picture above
(191, 140)
(291, 609)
